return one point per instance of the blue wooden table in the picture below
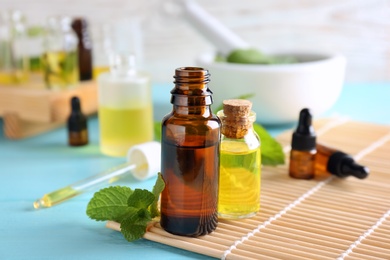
(32, 167)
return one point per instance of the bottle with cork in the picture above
(240, 171)
(190, 142)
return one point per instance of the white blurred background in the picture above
(360, 29)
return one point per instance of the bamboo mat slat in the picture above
(324, 218)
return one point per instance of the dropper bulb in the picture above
(355, 169)
(304, 137)
(305, 122)
(75, 104)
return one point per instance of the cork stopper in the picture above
(236, 118)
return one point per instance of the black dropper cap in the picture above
(76, 121)
(343, 165)
(304, 137)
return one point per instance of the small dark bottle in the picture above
(190, 146)
(84, 48)
(77, 125)
(338, 163)
(303, 148)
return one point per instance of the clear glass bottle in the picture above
(60, 60)
(125, 106)
(240, 173)
(102, 49)
(190, 143)
(14, 60)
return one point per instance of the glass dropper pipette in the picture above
(143, 162)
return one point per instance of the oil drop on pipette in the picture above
(143, 160)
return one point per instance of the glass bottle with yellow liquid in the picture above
(125, 106)
(240, 157)
(60, 60)
(14, 59)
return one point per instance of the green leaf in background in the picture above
(247, 56)
(157, 189)
(140, 199)
(271, 151)
(157, 131)
(109, 203)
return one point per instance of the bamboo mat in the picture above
(324, 218)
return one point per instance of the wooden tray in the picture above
(324, 218)
(31, 109)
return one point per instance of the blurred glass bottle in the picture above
(14, 60)
(80, 27)
(102, 48)
(60, 60)
(125, 106)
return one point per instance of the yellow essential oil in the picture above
(121, 128)
(97, 70)
(240, 171)
(240, 157)
(55, 197)
(60, 69)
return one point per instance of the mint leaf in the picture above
(157, 189)
(140, 199)
(157, 131)
(246, 56)
(271, 151)
(109, 204)
(133, 226)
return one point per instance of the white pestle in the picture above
(222, 37)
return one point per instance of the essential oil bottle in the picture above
(190, 144)
(303, 148)
(240, 171)
(338, 163)
(125, 106)
(77, 125)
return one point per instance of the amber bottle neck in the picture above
(191, 94)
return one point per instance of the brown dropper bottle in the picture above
(84, 48)
(77, 125)
(303, 148)
(190, 144)
(338, 163)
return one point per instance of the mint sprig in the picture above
(132, 209)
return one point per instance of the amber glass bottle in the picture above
(77, 125)
(190, 144)
(80, 27)
(303, 148)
